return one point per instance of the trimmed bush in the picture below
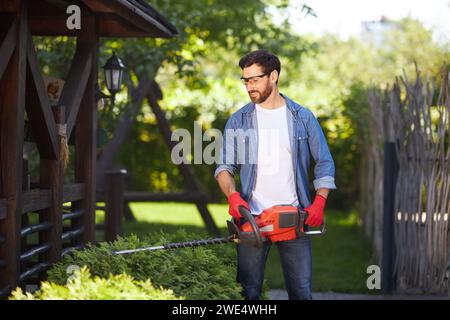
(195, 273)
(81, 286)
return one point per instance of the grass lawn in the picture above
(340, 257)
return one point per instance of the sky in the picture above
(344, 17)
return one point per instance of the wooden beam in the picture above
(12, 105)
(41, 267)
(187, 172)
(52, 177)
(38, 108)
(55, 17)
(112, 25)
(45, 9)
(115, 18)
(72, 234)
(69, 249)
(137, 196)
(53, 26)
(120, 132)
(72, 215)
(98, 6)
(109, 26)
(35, 200)
(76, 82)
(135, 16)
(3, 208)
(7, 48)
(35, 228)
(114, 191)
(86, 139)
(9, 6)
(73, 192)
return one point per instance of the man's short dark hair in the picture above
(266, 59)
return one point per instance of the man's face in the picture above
(259, 86)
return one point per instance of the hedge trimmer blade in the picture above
(187, 244)
(275, 224)
(236, 236)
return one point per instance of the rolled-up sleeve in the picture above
(227, 158)
(324, 182)
(324, 169)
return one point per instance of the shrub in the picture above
(195, 273)
(81, 286)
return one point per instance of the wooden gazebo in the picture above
(23, 93)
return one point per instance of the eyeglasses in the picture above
(253, 80)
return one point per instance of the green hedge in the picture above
(194, 273)
(82, 286)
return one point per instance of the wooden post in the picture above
(85, 134)
(448, 272)
(390, 181)
(52, 178)
(114, 203)
(127, 213)
(24, 219)
(12, 105)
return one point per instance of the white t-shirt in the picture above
(275, 182)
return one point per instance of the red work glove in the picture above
(235, 201)
(315, 211)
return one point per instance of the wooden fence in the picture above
(34, 228)
(45, 233)
(41, 222)
(413, 119)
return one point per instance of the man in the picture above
(281, 136)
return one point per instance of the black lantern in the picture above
(113, 74)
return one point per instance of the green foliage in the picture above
(148, 159)
(195, 273)
(332, 81)
(198, 74)
(209, 31)
(340, 257)
(54, 53)
(81, 286)
(346, 144)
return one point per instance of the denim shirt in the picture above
(306, 139)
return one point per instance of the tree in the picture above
(204, 26)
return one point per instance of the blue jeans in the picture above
(296, 262)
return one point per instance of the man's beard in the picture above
(261, 96)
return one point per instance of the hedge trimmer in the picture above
(277, 223)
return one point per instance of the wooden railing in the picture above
(38, 226)
(2, 209)
(4, 290)
(36, 241)
(117, 200)
(33, 261)
(113, 197)
(31, 217)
